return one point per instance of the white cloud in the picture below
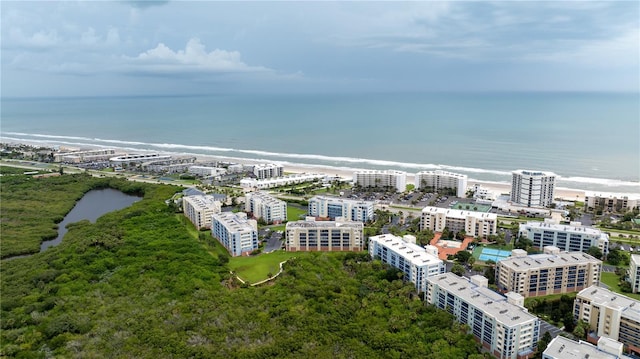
(194, 57)
(40, 39)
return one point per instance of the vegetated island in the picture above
(138, 284)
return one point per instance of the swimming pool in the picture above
(493, 254)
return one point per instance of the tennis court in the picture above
(493, 254)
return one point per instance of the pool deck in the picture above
(443, 252)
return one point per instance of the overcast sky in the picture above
(176, 47)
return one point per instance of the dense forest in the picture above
(136, 284)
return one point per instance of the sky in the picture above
(106, 48)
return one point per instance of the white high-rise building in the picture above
(199, 209)
(396, 180)
(568, 237)
(312, 235)
(442, 180)
(475, 224)
(269, 208)
(414, 261)
(501, 324)
(268, 170)
(634, 273)
(235, 232)
(334, 207)
(532, 188)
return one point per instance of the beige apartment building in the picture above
(552, 272)
(312, 235)
(610, 315)
(475, 224)
(200, 209)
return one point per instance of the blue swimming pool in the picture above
(493, 254)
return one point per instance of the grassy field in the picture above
(295, 213)
(612, 280)
(256, 268)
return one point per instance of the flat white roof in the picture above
(417, 255)
(630, 308)
(341, 200)
(561, 347)
(388, 172)
(635, 258)
(325, 224)
(537, 261)
(483, 298)
(563, 228)
(534, 173)
(442, 173)
(202, 201)
(458, 213)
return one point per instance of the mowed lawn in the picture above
(295, 213)
(256, 268)
(612, 280)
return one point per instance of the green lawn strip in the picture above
(407, 208)
(256, 268)
(623, 231)
(611, 280)
(295, 213)
(625, 240)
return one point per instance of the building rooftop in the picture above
(628, 307)
(442, 173)
(561, 347)
(389, 172)
(536, 261)
(533, 173)
(341, 200)
(324, 224)
(417, 255)
(266, 198)
(635, 258)
(611, 195)
(460, 214)
(202, 201)
(564, 228)
(483, 298)
(235, 222)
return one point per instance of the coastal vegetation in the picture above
(138, 283)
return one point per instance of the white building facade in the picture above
(414, 261)
(475, 224)
(235, 232)
(501, 324)
(395, 180)
(442, 180)
(269, 208)
(565, 348)
(200, 209)
(568, 237)
(312, 235)
(552, 272)
(634, 273)
(268, 170)
(532, 188)
(259, 184)
(333, 207)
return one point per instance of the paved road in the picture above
(274, 242)
(546, 327)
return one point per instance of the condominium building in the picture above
(312, 235)
(207, 171)
(200, 209)
(550, 273)
(565, 348)
(438, 180)
(474, 224)
(417, 263)
(269, 208)
(387, 179)
(570, 237)
(610, 315)
(633, 274)
(84, 156)
(268, 170)
(237, 234)
(333, 207)
(252, 183)
(500, 323)
(532, 189)
(610, 202)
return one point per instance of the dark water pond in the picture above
(92, 205)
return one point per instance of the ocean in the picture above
(591, 140)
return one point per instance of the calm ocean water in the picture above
(592, 140)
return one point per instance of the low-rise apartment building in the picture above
(565, 348)
(474, 224)
(438, 180)
(200, 209)
(633, 274)
(312, 235)
(417, 263)
(334, 207)
(259, 184)
(568, 237)
(610, 315)
(501, 324)
(269, 208)
(387, 179)
(610, 202)
(552, 272)
(235, 232)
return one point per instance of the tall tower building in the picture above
(532, 189)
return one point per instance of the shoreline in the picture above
(495, 187)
